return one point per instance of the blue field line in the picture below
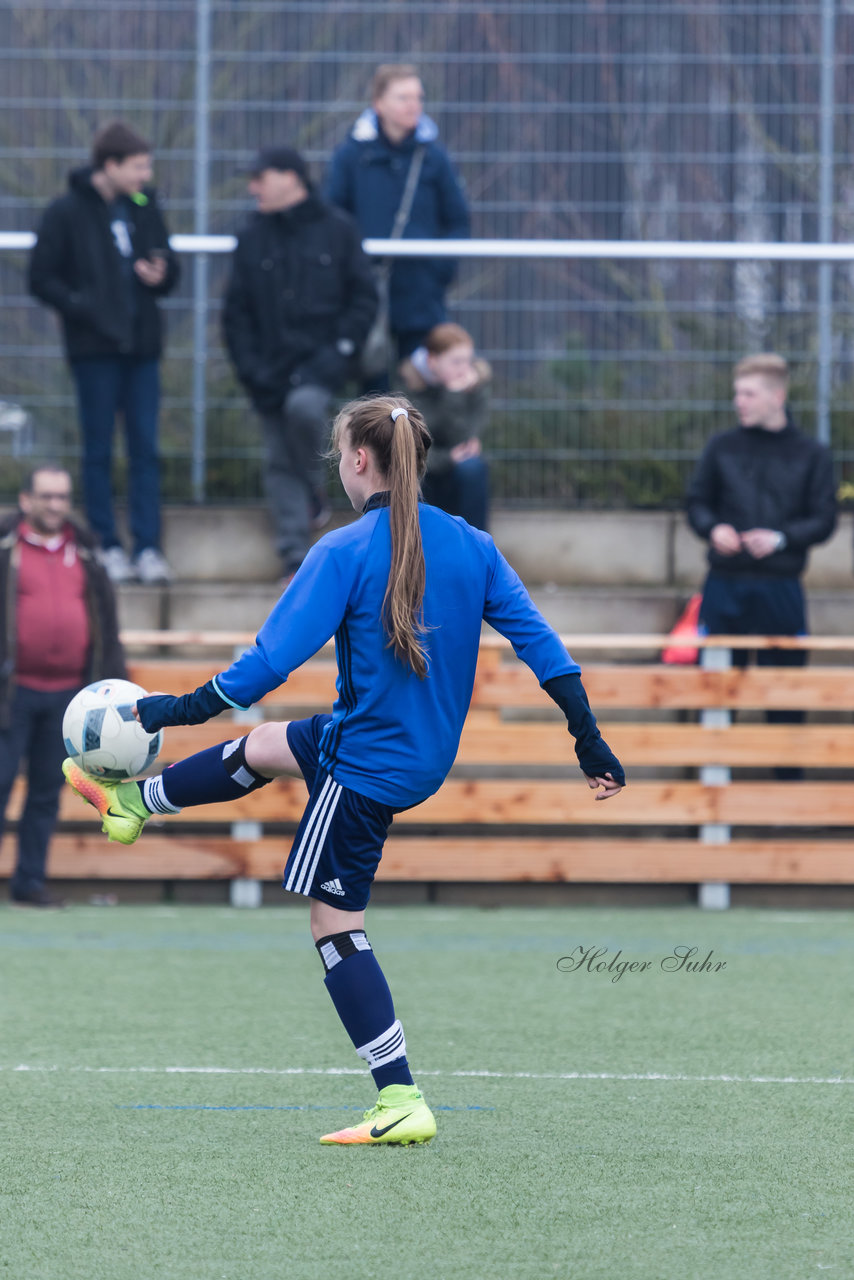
(207, 1106)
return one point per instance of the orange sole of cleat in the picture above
(87, 789)
(343, 1139)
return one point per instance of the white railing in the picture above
(686, 250)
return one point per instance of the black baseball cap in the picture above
(280, 158)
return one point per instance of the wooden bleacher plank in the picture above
(487, 740)
(688, 745)
(607, 642)
(492, 802)
(505, 684)
(688, 688)
(594, 860)
(312, 685)
(487, 801)
(90, 855)
(461, 859)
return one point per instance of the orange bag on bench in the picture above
(686, 628)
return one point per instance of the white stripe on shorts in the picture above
(311, 846)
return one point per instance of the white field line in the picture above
(633, 1076)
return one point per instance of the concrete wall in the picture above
(567, 548)
(589, 571)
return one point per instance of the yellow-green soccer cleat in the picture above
(119, 803)
(401, 1116)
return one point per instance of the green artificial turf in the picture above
(557, 1154)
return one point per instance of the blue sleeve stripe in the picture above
(238, 706)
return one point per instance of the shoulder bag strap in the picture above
(401, 218)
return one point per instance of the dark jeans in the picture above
(35, 733)
(462, 491)
(107, 386)
(736, 606)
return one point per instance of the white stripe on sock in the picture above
(386, 1047)
(331, 955)
(154, 797)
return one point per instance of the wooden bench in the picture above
(515, 807)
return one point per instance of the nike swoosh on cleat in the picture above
(378, 1133)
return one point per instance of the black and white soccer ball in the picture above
(102, 736)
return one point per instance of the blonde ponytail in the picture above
(403, 606)
(395, 433)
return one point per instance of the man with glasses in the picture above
(58, 632)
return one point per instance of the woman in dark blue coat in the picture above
(367, 178)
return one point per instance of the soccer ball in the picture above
(101, 734)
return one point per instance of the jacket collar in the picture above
(10, 525)
(367, 129)
(308, 210)
(376, 500)
(80, 180)
(787, 430)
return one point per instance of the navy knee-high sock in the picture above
(219, 773)
(363, 1002)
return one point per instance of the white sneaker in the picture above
(151, 567)
(119, 568)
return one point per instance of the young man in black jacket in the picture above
(763, 494)
(102, 260)
(298, 307)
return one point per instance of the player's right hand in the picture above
(725, 540)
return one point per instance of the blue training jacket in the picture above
(392, 736)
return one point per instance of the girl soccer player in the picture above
(404, 591)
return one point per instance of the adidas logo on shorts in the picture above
(333, 886)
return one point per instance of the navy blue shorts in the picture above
(340, 838)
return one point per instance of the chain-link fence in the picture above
(678, 120)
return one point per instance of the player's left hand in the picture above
(605, 787)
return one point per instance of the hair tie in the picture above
(398, 413)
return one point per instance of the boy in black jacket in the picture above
(763, 494)
(102, 260)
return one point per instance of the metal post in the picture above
(825, 220)
(200, 265)
(245, 891)
(714, 895)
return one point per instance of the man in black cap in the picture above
(298, 307)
